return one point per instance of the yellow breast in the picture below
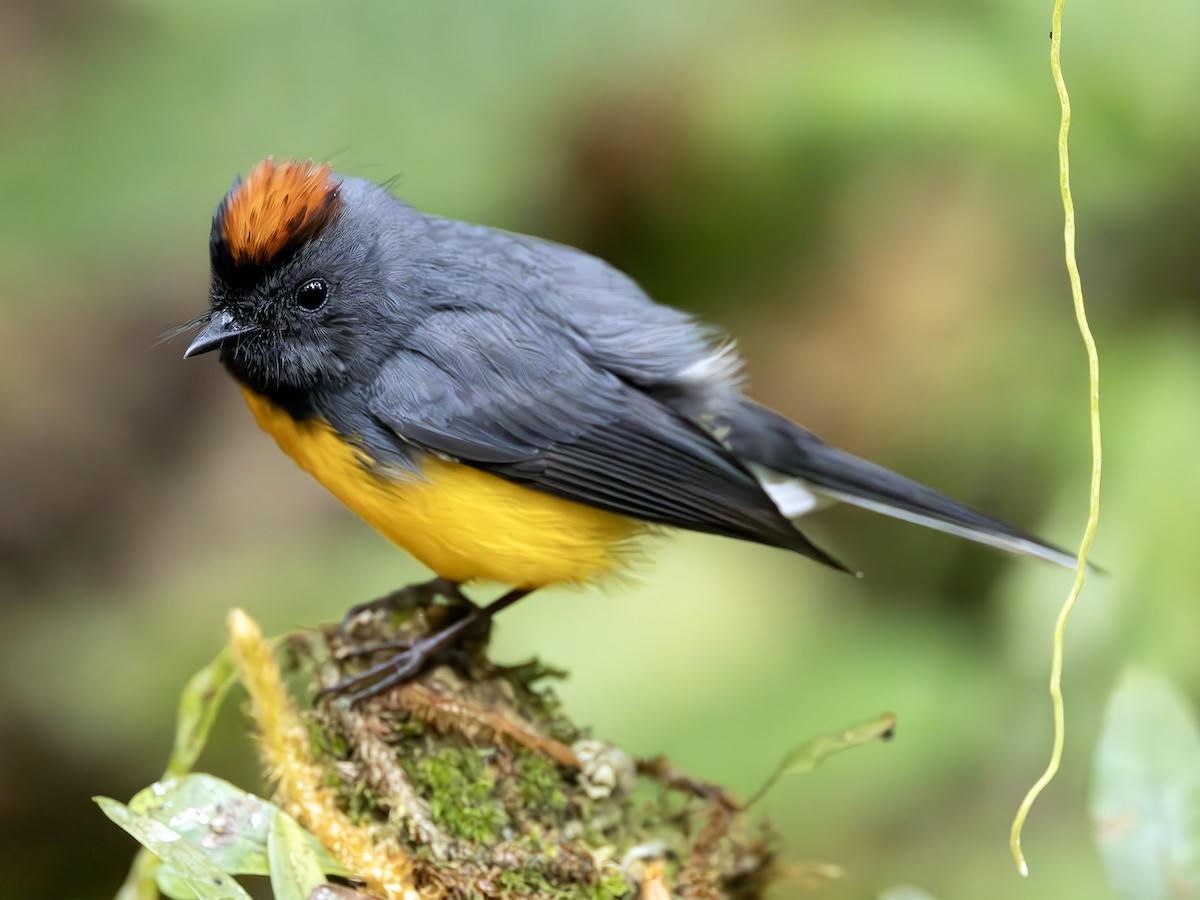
(461, 522)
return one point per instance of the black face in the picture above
(324, 312)
(289, 327)
(285, 323)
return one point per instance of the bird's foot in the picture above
(407, 660)
(418, 596)
(411, 657)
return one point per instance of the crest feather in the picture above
(276, 207)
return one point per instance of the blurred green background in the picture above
(864, 193)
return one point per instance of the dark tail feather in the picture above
(768, 439)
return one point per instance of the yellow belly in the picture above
(461, 522)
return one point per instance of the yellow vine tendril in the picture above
(1089, 532)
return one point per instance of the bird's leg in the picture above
(418, 595)
(415, 656)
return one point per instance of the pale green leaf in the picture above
(809, 755)
(1146, 791)
(230, 825)
(338, 892)
(295, 869)
(204, 877)
(198, 707)
(171, 884)
(140, 883)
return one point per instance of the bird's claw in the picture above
(398, 668)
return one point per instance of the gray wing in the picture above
(636, 406)
(523, 403)
(601, 310)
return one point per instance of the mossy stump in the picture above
(475, 778)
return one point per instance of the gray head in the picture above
(303, 269)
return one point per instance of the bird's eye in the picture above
(312, 294)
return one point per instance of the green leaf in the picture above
(295, 869)
(199, 704)
(199, 873)
(1146, 791)
(338, 892)
(198, 707)
(171, 884)
(230, 825)
(140, 883)
(809, 755)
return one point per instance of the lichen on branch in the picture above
(470, 781)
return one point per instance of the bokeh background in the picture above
(864, 193)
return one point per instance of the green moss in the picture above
(324, 739)
(504, 814)
(529, 881)
(612, 885)
(361, 803)
(460, 789)
(539, 700)
(540, 783)
(408, 730)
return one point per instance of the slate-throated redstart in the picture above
(505, 408)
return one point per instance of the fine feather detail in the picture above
(793, 497)
(1027, 546)
(723, 366)
(277, 206)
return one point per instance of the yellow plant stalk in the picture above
(1056, 665)
(284, 747)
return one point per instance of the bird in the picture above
(505, 408)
